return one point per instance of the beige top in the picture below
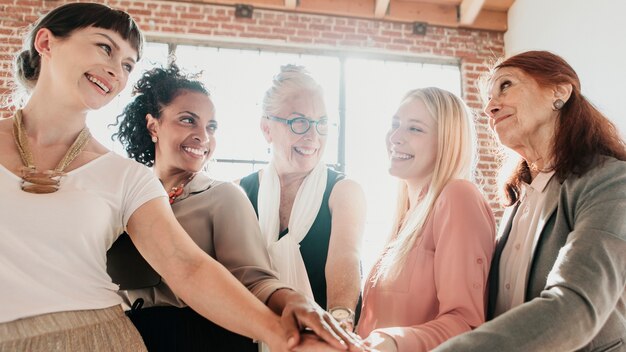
(220, 219)
(518, 251)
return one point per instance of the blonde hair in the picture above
(290, 80)
(454, 160)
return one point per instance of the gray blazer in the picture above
(575, 297)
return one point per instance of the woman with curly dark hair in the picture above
(171, 126)
(559, 271)
(66, 198)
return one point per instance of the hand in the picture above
(301, 312)
(310, 342)
(379, 341)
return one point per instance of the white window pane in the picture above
(237, 80)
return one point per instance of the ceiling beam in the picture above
(380, 10)
(469, 10)
(291, 4)
(436, 14)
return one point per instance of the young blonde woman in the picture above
(430, 282)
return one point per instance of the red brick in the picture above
(269, 23)
(286, 31)
(331, 35)
(191, 16)
(359, 37)
(296, 25)
(203, 31)
(473, 48)
(234, 27)
(344, 29)
(320, 27)
(203, 25)
(260, 29)
(304, 33)
(165, 14)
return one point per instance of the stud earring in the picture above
(558, 104)
(155, 139)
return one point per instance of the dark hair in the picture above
(64, 20)
(582, 131)
(156, 89)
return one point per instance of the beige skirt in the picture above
(86, 330)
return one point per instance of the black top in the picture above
(314, 246)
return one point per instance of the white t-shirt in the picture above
(53, 246)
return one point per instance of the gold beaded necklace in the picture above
(48, 181)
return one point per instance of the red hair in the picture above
(582, 132)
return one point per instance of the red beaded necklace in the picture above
(176, 191)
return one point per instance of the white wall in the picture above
(589, 35)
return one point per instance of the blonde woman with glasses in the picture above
(429, 283)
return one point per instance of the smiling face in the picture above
(296, 153)
(90, 67)
(519, 110)
(185, 131)
(412, 142)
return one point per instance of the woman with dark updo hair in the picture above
(66, 199)
(171, 126)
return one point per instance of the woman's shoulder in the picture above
(605, 179)
(460, 188)
(228, 193)
(606, 165)
(248, 182)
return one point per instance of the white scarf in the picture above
(285, 253)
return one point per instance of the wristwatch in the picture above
(342, 315)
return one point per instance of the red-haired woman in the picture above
(558, 275)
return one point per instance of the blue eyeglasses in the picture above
(301, 125)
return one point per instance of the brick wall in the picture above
(471, 47)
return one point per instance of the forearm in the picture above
(426, 336)
(281, 297)
(225, 301)
(544, 324)
(343, 282)
(576, 303)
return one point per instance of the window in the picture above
(237, 80)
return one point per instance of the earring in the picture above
(155, 139)
(558, 104)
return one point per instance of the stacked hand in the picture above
(310, 328)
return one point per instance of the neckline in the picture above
(73, 171)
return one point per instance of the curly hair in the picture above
(156, 89)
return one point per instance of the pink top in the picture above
(441, 292)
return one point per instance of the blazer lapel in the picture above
(494, 271)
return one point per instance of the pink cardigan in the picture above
(441, 291)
